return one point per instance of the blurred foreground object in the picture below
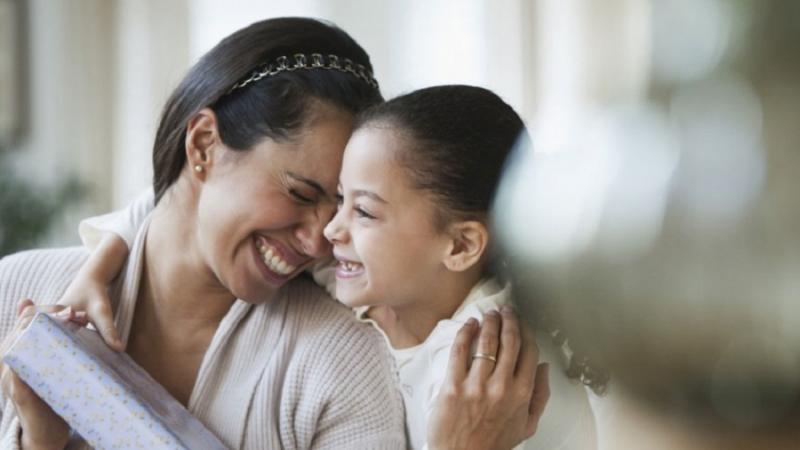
(665, 239)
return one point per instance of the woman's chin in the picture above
(254, 291)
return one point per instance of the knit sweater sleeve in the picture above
(344, 393)
(41, 275)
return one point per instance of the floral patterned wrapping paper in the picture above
(102, 394)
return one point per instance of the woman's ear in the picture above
(468, 242)
(202, 136)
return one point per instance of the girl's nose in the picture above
(334, 231)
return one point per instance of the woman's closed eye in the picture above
(301, 197)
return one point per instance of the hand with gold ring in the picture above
(485, 356)
(494, 398)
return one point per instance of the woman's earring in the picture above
(198, 168)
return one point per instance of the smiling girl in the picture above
(412, 244)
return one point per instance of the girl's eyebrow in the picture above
(370, 194)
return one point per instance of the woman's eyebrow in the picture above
(311, 183)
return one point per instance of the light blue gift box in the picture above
(102, 394)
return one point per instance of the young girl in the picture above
(411, 240)
(412, 244)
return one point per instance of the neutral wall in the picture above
(101, 69)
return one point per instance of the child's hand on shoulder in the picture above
(88, 291)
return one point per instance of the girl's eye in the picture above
(361, 213)
(302, 198)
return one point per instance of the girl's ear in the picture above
(468, 242)
(202, 136)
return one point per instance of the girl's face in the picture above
(261, 212)
(384, 238)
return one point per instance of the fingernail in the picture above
(64, 313)
(493, 313)
(506, 309)
(471, 322)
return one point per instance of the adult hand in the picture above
(41, 427)
(88, 291)
(485, 404)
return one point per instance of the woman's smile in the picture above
(278, 262)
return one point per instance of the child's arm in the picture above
(88, 291)
(109, 238)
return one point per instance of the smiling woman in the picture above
(260, 356)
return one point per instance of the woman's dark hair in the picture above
(271, 107)
(459, 140)
(459, 136)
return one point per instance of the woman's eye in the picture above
(339, 199)
(300, 196)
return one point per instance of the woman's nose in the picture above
(312, 242)
(309, 233)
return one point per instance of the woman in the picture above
(262, 357)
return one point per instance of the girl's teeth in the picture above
(348, 266)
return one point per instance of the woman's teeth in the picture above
(272, 259)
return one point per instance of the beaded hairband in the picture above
(318, 61)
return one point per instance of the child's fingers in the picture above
(80, 317)
(100, 314)
(22, 304)
(509, 344)
(458, 365)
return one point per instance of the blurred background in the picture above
(82, 81)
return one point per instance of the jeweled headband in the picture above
(316, 61)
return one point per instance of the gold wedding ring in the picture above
(485, 356)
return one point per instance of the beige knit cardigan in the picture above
(295, 373)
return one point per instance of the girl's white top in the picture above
(567, 423)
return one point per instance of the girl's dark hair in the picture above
(459, 140)
(272, 107)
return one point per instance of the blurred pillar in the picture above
(151, 54)
(69, 100)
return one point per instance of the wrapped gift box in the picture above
(102, 394)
